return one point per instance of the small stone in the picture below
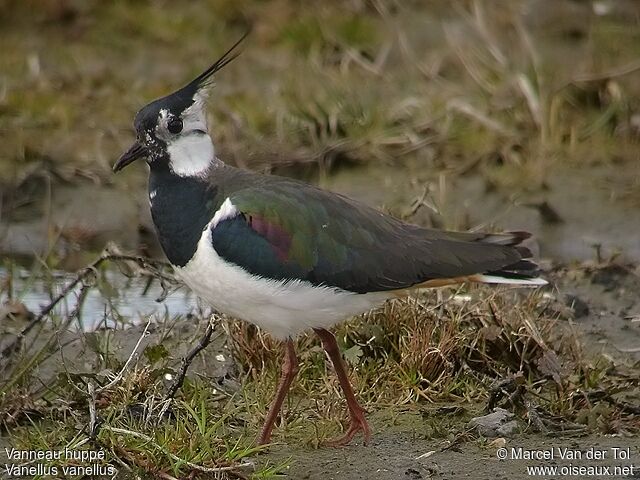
(499, 442)
(499, 423)
(508, 429)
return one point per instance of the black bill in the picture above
(134, 153)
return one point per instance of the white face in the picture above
(191, 151)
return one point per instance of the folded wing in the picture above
(285, 230)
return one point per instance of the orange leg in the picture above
(356, 412)
(289, 371)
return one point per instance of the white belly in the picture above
(282, 308)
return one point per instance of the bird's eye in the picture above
(174, 125)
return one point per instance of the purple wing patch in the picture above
(279, 238)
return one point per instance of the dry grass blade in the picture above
(468, 110)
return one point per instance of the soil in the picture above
(403, 455)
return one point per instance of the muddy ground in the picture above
(401, 456)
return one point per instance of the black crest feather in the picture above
(183, 98)
(204, 78)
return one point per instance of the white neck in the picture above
(191, 155)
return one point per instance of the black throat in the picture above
(181, 207)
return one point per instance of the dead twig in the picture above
(204, 341)
(117, 378)
(92, 410)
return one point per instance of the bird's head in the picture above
(172, 131)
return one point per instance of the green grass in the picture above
(462, 348)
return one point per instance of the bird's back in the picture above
(283, 229)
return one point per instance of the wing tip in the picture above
(525, 282)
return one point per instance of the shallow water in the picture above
(114, 297)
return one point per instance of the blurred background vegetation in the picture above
(418, 94)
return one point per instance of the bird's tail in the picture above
(524, 272)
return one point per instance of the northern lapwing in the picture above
(288, 256)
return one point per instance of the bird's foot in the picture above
(358, 423)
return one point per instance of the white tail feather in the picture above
(527, 282)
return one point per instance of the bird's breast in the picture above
(180, 209)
